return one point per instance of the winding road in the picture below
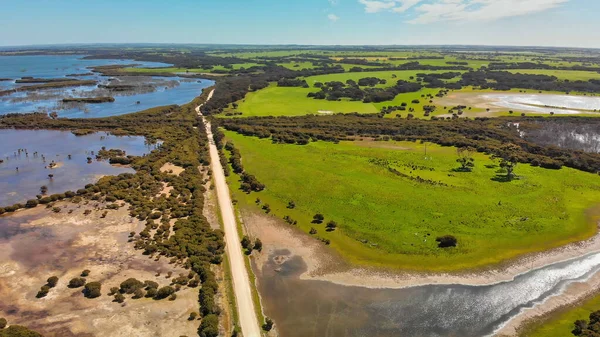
(241, 282)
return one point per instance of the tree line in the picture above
(486, 135)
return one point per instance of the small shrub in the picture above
(76, 282)
(52, 281)
(446, 241)
(85, 273)
(92, 290)
(268, 324)
(43, 292)
(119, 298)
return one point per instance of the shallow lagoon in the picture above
(71, 174)
(52, 66)
(304, 308)
(542, 103)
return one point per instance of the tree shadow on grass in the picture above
(463, 170)
(502, 178)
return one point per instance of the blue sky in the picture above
(345, 22)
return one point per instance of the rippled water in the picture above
(72, 174)
(304, 308)
(51, 66)
(538, 102)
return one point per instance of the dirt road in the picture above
(241, 282)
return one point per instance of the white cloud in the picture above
(374, 6)
(460, 10)
(334, 2)
(333, 17)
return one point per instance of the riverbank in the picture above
(325, 265)
(284, 244)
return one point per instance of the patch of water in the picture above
(303, 308)
(542, 103)
(71, 173)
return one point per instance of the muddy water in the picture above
(70, 174)
(305, 308)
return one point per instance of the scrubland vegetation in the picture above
(190, 242)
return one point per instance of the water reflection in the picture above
(69, 152)
(304, 308)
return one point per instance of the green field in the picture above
(392, 221)
(278, 101)
(562, 322)
(285, 101)
(561, 74)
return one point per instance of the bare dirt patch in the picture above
(172, 169)
(36, 244)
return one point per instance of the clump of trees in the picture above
(589, 328)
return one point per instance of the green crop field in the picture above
(392, 221)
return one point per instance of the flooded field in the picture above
(145, 91)
(22, 173)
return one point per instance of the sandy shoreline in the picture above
(323, 265)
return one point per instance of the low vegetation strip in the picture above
(49, 85)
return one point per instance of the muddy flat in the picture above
(38, 243)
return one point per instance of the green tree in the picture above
(92, 290)
(130, 285)
(52, 281)
(18, 331)
(268, 324)
(509, 157)
(446, 241)
(331, 226)
(465, 158)
(209, 326)
(3, 322)
(76, 282)
(318, 218)
(258, 245)
(246, 242)
(119, 298)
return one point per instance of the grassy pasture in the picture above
(561, 322)
(392, 221)
(280, 101)
(561, 74)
